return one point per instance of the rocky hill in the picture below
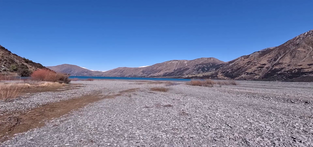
(291, 61)
(75, 70)
(174, 68)
(13, 64)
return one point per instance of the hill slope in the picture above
(13, 64)
(75, 70)
(291, 61)
(174, 68)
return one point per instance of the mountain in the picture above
(75, 70)
(13, 64)
(173, 68)
(291, 61)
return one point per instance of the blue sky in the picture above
(105, 34)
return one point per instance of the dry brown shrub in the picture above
(210, 83)
(206, 83)
(160, 89)
(74, 79)
(89, 79)
(48, 75)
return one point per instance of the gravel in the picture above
(248, 114)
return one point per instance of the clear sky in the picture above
(105, 34)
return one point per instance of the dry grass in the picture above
(159, 89)
(14, 90)
(7, 77)
(210, 83)
(10, 91)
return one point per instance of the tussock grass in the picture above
(14, 90)
(206, 83)
(210, 83)
(10, 91)
(159, 89)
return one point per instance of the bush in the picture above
(13, 68)
(160, 89)
(210, 83)
(206, 83)
(23, 71)
(89, 79)
(48, 75)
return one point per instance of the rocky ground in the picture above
(247, 114)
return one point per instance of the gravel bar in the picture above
(247, 114)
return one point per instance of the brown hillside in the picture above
(174, 68)
(13, 64)
(291, 61)
(75, 70)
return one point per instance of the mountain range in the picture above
(291, 61)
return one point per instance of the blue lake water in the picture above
(128, 78)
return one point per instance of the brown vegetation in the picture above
(48, 75)
(210, 83)
(89, 79)
(12, 91)
(160, 89)
(166, 83)
(7, 77)
(74, 79)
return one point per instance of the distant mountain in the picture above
(174, 68)
(13, 64)
(291, 61)
(75, 70)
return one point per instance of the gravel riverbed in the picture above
(248, 114)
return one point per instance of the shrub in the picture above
(48, 75)
(13, 68)
(160, 89)
(23, 71)
(206, 83)
(74, 79)
(210, 83)
(89, 79)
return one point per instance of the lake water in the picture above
(128, 78)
